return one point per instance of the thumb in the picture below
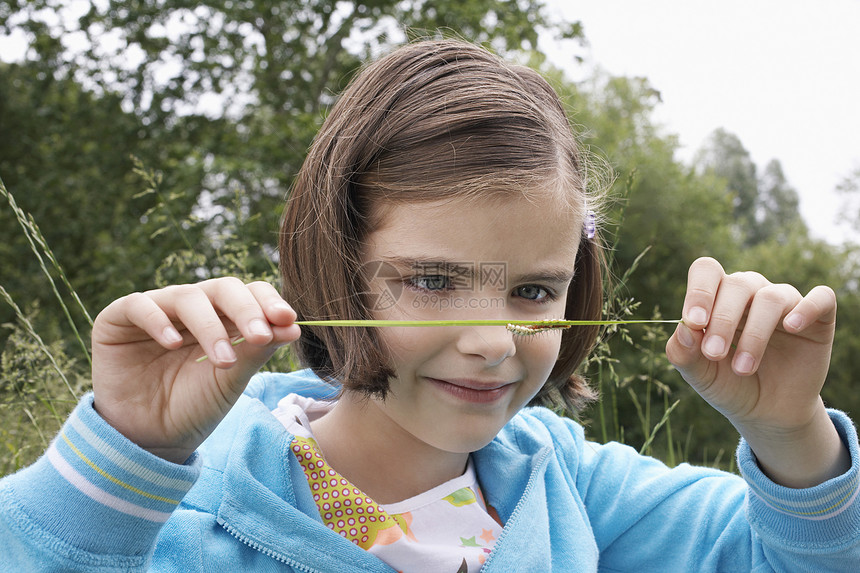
(252, 357)
(684, 350)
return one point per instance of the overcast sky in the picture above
(783, 75)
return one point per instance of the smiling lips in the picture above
(472, 390)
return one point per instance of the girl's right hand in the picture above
(147, 379)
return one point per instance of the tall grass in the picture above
(39, 382)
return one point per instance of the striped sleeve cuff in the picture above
(827, 515)
(100, 492)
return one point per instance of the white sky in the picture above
(782, 75)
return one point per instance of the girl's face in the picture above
(455, 387)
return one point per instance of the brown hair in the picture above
(432, 120)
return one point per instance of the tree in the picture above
(849, 189)
(660, 204)
(718, 207)
(74, 176)
(763, 207)
(778, 215)
(724, 156)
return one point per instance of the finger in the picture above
(234, 300)
(280, 315)
(770, 304)
(703, 280)
(140, 311)
(276, 310)
(683, 346)
(817, 306)
(191, 306)
(734, 296)
(684, 352)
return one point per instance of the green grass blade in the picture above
(660, 424)
(28, 326)
(38, 245)
(477, 322)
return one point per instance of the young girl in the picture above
(445, 184)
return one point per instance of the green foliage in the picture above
(764, 207)
(39, 386)
(778, 202)
(849, 189)
(68, 152)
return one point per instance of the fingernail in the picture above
(697, 315)
(224, 351)
(714, 346)
(284, 307)
(171, 335)
(795, 321)
(685, 337)
(744, 363)
(259, 327)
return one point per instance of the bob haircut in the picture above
(433, 120)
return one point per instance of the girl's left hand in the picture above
(758, 352)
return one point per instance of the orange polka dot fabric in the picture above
(343, 507)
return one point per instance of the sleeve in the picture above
(647, 517)
(93, 502)
(807, 529)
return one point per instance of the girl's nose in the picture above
(495, 344)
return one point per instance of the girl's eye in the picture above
(533, 292)
(431, 282)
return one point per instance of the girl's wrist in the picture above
(802, 457)
(177, 454)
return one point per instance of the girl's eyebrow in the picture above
(559, 276)
(435, 264)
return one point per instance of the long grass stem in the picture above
(38, 245)
(477, 322)
(28, 327)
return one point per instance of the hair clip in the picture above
(590, 224)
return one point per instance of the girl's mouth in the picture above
(476, 392)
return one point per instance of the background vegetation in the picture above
(154, 141)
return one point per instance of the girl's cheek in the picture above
(402, 345)
(544, 348)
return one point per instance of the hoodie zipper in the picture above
(518, 509)
(268, 552)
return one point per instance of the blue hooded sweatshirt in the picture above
(97, 502)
